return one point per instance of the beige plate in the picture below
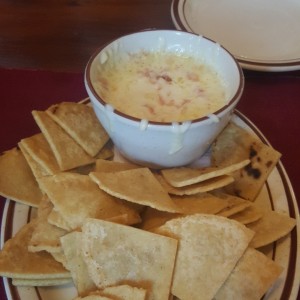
(277, 194)
(240, 26)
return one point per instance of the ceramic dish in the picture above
(262, 35)
(277, 194)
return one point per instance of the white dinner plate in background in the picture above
(263, 35)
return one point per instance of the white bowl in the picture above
(157, 144)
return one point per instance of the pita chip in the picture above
(103, 165)
(143, 258)
(56, 219)
(248, 215)
(67, 152)
(270, 227)
(152, 218)
(251, 278)
(17, 262)
(76, 197)
(71, 245)
(200, 187)
(39, 149)
(17, 181)
(37, 170)
(209, 248)
(45, 236)
(183, 176)
(202, 203)
(137, 186)
(235, 144)
(81, 123)
(234, 204)
(125, 292)
(94, 297)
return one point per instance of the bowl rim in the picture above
(89, 84)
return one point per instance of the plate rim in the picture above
(250, 64)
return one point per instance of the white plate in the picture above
(276, 194)
(263, 35)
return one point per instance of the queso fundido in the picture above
(160, 86)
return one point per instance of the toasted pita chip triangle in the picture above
(137, 186)
(81, 123)
(253, 275)
(107, 151)
(76, 197)
(60, 257)
(201, 187)
(37, 170)
(144, 258)
(183, 176)
(67, 152)
(203, 203)
(71, 245)
(270, 227)
(235, 144)
(125, 292)
(94, 297)
(248, 215)
(40, 151)
(153, 218)
(17, 181)
(195, 204)
(40, 282)
(209, 248)
(17, 262)
(103, 165)
(56, 219)
(234, 204)
(45, 236)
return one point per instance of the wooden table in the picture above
(61, 35)
(45, 45)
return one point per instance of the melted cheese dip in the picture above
(162, 87)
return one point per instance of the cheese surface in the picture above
(161, 87)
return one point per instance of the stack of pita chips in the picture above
(118, 230)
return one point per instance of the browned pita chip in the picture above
(235, 144)
(17, 181)
(67, 152)
(81, 123)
